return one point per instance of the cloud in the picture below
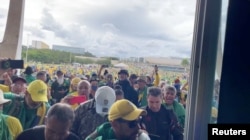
(115, 28)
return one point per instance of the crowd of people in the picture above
(41, 105)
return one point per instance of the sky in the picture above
(118, 28)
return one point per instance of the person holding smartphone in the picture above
(154, 80)
(80, 95)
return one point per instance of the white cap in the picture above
(104, 97)
(2, 100)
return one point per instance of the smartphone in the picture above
(77, 100)
(14, 64)
(156, 68)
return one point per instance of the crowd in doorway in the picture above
(38, 105)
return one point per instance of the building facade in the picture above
(75, 50)
(39, 45)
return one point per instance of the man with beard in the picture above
(32, 110)
(123, 123)
(60, 87)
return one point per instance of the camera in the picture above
(14, 64)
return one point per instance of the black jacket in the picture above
(162, 125)
(37, 133)
(129, 92)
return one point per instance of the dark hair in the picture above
(123, 71)
(63, 112)
(118, 90)
(105, 72)
(59, 72)
(48, 78)
(117, 87)
(172, 88)
(94, 78)
(41, 73)
(93, 75)
(28, 70)
(133, 76)
(154, 91)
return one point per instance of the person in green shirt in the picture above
(32, 109)
(142, 91)
(28, 74)
(169, 93)
(123, 123)
(10, 126)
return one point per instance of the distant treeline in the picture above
(58, 57)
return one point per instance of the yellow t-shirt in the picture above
(14, 125)
(4, 88)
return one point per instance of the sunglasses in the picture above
(131, 124)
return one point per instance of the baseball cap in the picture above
(94, 79)
(123, 71)
(126, 110)
(38, 91)
(133, 76)
(2, 100)
(75, 80)
(104, 97)
(19, 79)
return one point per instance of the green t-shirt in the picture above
(105, 132)
(30, 78)
(5, 134)
(19, 109)
(142, 97)
(178, 110)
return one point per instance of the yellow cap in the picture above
(38, 91)
(126, 110)
(75, 81)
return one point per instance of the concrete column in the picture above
(11, 46)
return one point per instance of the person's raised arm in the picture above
(100, 71)
(157, 77)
